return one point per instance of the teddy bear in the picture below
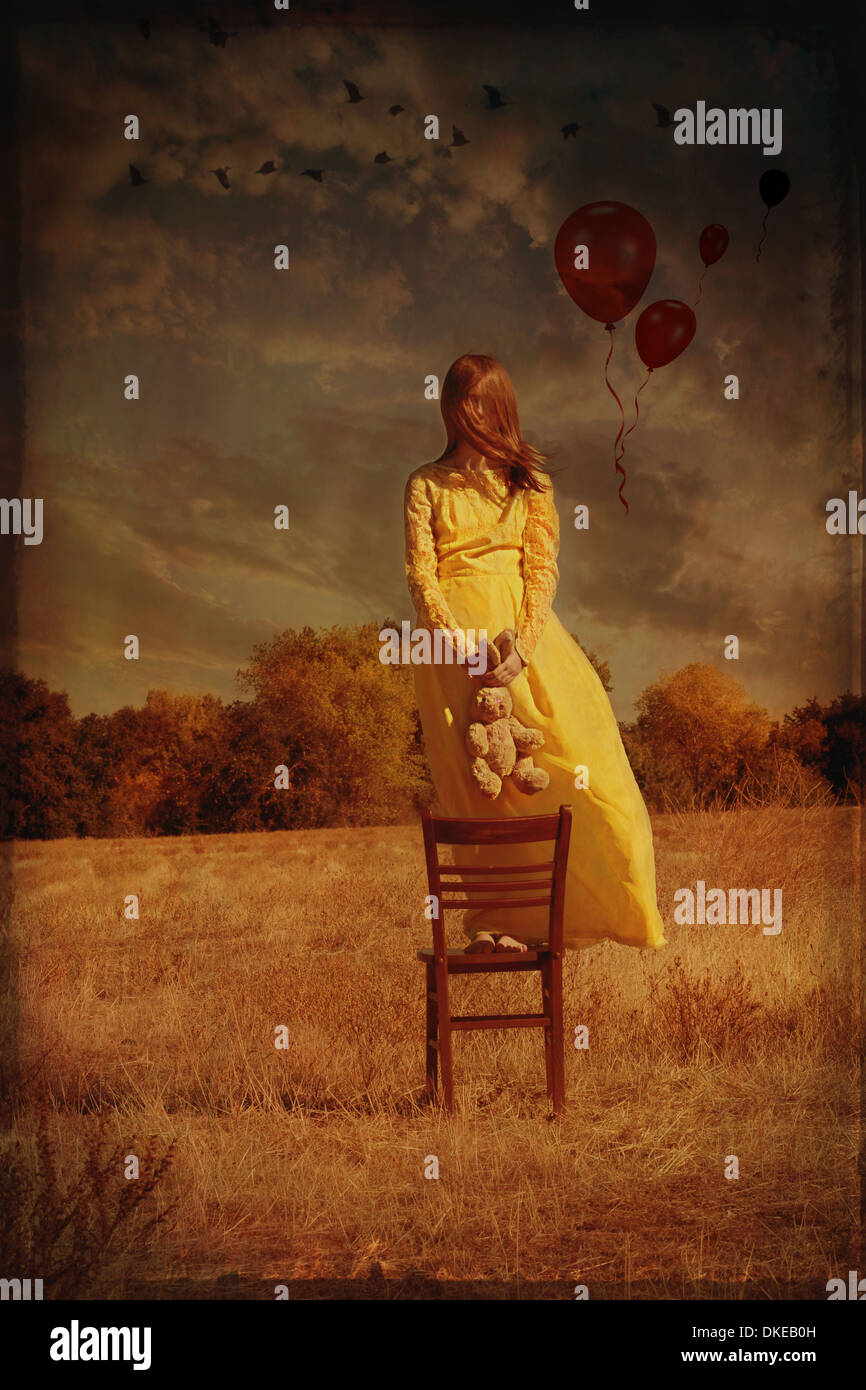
(500, 746)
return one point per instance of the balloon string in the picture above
(616, 461)
(701, 287)
(636, 409)
(763, 235)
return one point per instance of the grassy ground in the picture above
(306, 1166)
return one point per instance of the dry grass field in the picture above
(306, 1166)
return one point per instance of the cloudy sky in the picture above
(305, 387)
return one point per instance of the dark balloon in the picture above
(713, 243)
(621, 249)
(663, 331)
(774, 186)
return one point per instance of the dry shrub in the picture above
(65, 1222)
(692, 1013)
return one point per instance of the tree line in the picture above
(344, 732)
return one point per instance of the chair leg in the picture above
(546, 1010)
(432, 1031)
(446, 1066)
(557, 1038)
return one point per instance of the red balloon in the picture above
(713, 243)
(663, 331)
(621, 250)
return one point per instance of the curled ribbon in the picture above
(616, 457)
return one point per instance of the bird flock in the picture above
(494, 102)
(219, 37)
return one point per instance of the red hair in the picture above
(496, 433)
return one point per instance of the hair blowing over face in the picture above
(495, 433)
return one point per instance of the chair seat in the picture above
(457, 953)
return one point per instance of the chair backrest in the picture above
(536, 884)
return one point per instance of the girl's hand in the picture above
(504, 673)
(509, 665)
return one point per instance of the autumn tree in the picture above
(601, 668)
(42, 789)
(169, 746)
(343, 725)
(831, 739)
(698, 733)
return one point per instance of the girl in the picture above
(482, 537)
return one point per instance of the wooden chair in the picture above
(522, 885)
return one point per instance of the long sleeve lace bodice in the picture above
(422, 566)
(540, 571)
(457, 526)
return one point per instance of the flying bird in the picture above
(144, 27)
(313, 174)
(354, 94)
(494, 98)
(269, 167)
(383, 158)
(457, 137)
(395, 110)
(663, 114)
(571, 129)
(135, 179)
(218, 35)
(223, 175)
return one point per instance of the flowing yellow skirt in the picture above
(611, 884)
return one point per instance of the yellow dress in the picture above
(480, 558)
